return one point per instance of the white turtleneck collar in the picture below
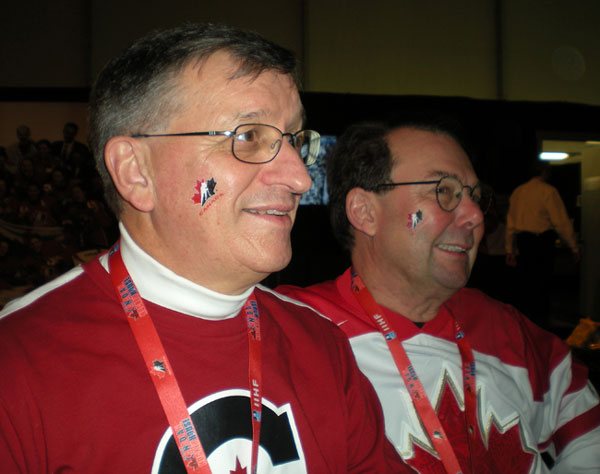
(158, 284)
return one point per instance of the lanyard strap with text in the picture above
(169, 393)
(414, 386)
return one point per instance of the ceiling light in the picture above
(553, 155)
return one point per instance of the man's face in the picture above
(223, 223)
(418, 243)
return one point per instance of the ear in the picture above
(361, 210)
(127, 162)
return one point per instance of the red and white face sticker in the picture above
(414, 219)
(205, 194)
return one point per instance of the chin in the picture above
(454, 281)
(280, 264)
(272, 261)
(452, 277)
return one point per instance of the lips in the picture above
(267, 212)
(452, 248)
(276, 208)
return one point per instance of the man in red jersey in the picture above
(165, 355)
(467, 384)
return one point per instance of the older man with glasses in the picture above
(467, 383)
(165, 355)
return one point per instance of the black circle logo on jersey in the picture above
(222, 420)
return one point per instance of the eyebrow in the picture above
(442, 174)
(248, 116)
(257, 115)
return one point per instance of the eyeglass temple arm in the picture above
(187, 134)
(382, 185)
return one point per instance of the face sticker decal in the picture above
(414, 219)
(205, 190)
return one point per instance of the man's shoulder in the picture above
(58, 297)
(315, 295)
(320, 304)
(485, 317)
(41, 293)
(304, 327)
(326, 297)
(520, 189)
(471, 302)
(493, 326)
(476, 296)
(55, 321)
(333, 299)
(534, 185)
(288, 299)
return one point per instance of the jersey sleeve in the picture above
(576, 438)
(570, 415)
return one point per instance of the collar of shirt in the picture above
(159, 285)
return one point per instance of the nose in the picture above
(288, 169)
(468, 212)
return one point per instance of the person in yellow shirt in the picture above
(536, 216)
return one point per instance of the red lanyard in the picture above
(414, 386)
(153, 352)
(254, 374)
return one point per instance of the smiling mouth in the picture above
(452, 248)
(269, 212)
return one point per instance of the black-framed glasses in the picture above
(449, 192)
(259, 143)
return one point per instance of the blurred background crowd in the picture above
(52, 210)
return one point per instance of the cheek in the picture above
(430, 224)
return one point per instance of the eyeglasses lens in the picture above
(308, 144)
(450, 191)
(254, 143)
(260, 143)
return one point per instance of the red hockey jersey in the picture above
(532, 395)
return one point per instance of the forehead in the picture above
(421, 154)
(208, 88)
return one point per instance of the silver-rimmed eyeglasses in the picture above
(259, 143)
(449, 192)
